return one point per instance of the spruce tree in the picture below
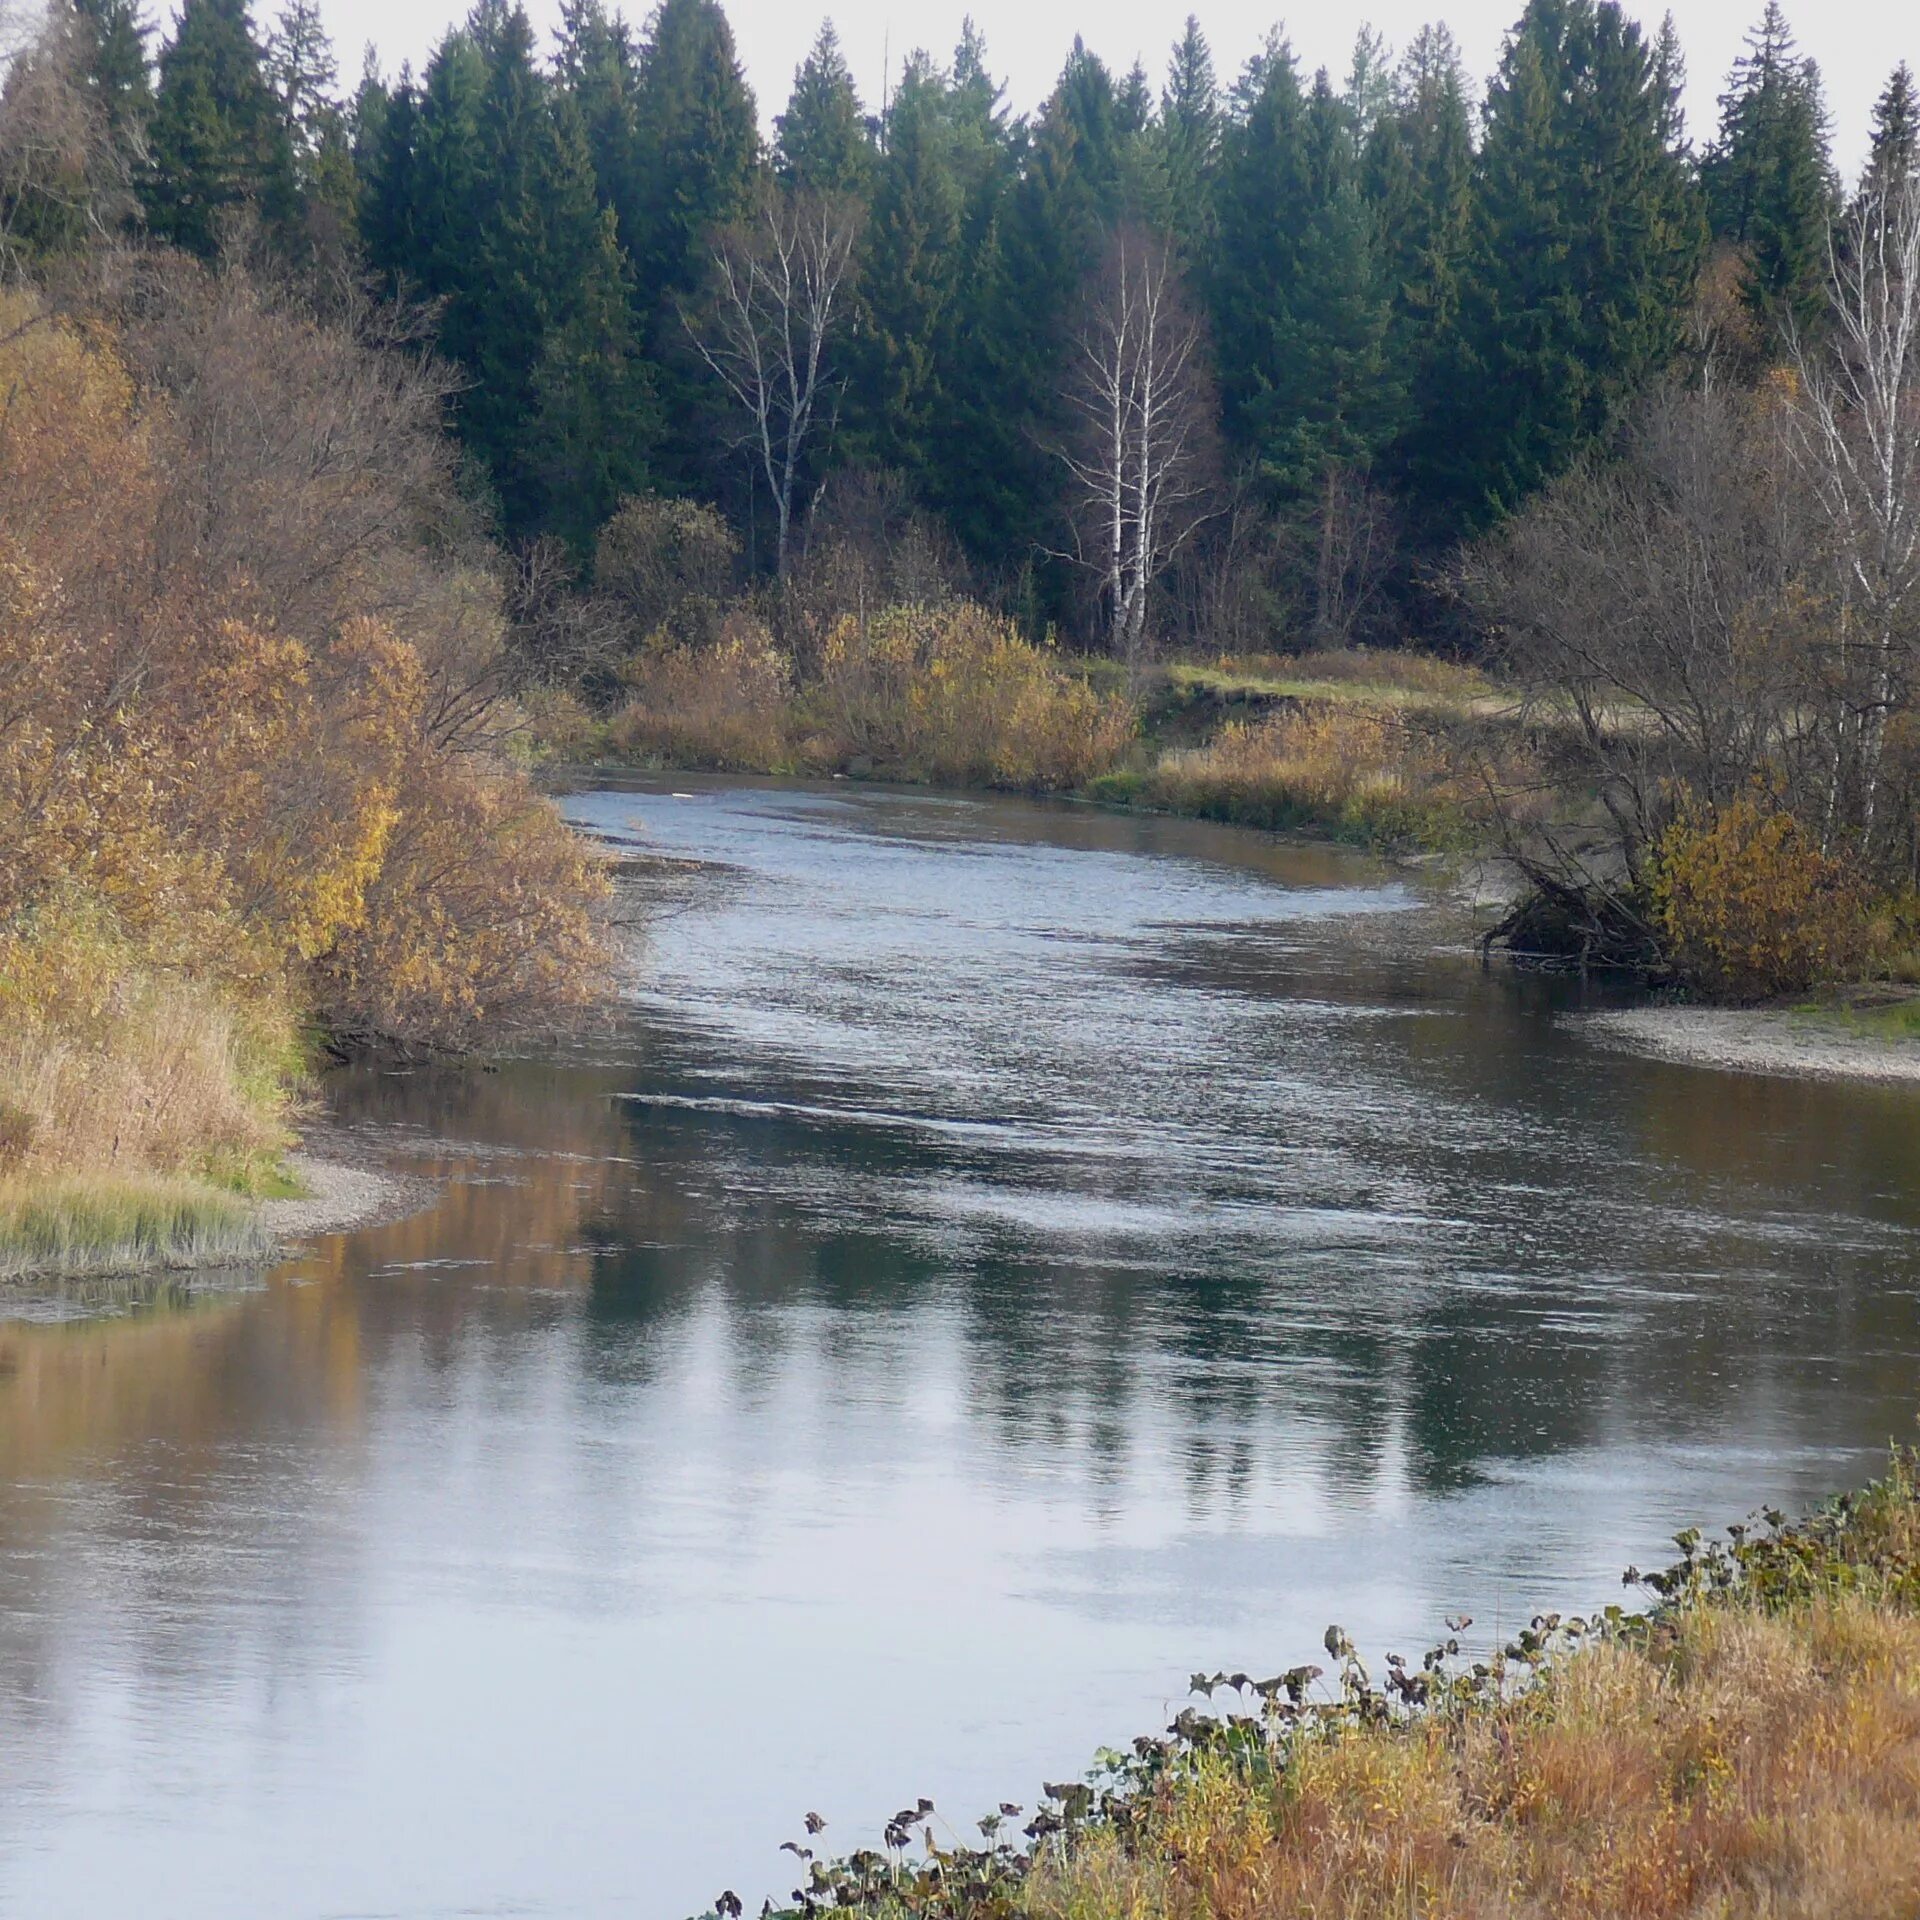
(556, 409)
(1587, 238)
(982, 498)
(910, 275)
(385, 128)
(1769, 177)
(1419, 180)
(479, 192)
(442, 190)
(821, 143)
(1894, 152)
(1299, 304)
(697, 145)
(218, 143)
(696, 157)
(1073, 188)
(597, 67)
(112, 63)
(301, 70)
(1370, 92)
(594, 425)
(1188, 136)
(302, 73)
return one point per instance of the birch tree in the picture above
(1858, 437)
(779, 278)
(1141, 454)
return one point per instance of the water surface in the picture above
(1002, 1259)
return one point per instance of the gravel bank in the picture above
(1756, 1040)
(343, 1192)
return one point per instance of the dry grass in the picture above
(1749, 1750)
(160, 1083)
(136, 1104)
(1364, 773)
(1360, 677)
(1757, 1766)
(112, 1064)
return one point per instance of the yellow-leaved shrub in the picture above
(728, 706)
(214, 822)
(1751, 906)
(953, 693)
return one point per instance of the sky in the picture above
(1856, 42)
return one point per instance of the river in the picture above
(1000, 1259)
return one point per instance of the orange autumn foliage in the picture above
(226, 818)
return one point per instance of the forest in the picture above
(1494, 467)
(1380, 312)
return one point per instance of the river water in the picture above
(1001, 1259)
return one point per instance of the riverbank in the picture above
(1825, 1043)
(1748, 1748)
(87, 1226)
(1388, 750)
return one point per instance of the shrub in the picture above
(481, 925)
(669, 565)
(727, 707)
(1750, 904)
(1367, 774)
(953, 694)
(263, 796)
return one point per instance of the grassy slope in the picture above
(1749, 1750)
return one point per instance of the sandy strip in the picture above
(1755, 1040)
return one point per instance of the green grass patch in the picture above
(253, 1176)
(1893, 1021)
(1380, 681)
(94, 1223)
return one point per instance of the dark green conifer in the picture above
(910, 275)
(1188, 136)
(597, 65)
(1299, 303)
(1769, 177)
(1587, 238)
(696, 158)
(113, 66)
(1894, 152)
(218, 142)
(821, 142)
(697, 146)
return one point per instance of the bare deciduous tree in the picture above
(64, 176)
(1141, 456)
(1653, 612)
(1858, 439)
(776, 303)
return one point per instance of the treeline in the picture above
(1376, 317)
